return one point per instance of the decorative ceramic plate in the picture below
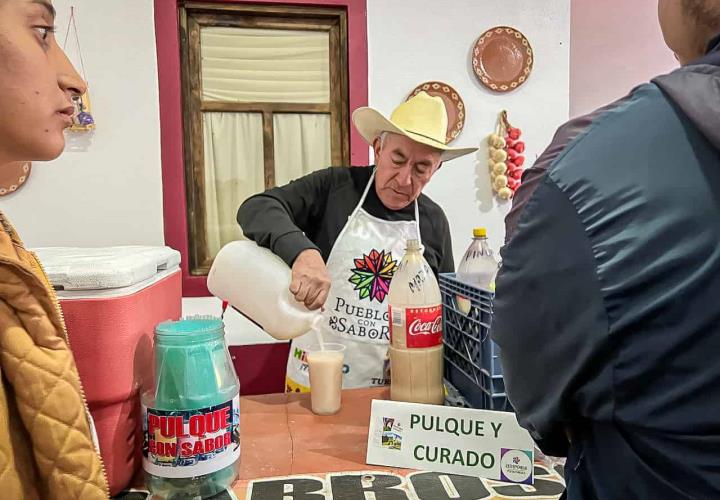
(502, 59)
(13, 176)
(454, 106)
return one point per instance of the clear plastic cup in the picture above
(326, 373)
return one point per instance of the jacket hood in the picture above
(695, 89)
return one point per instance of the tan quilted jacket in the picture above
(46, 449)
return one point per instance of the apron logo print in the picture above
(361, 266)
(372, 275)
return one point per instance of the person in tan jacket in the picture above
(46, 446)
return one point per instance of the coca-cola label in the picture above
(423, 325)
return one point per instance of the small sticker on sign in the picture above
(516, 466)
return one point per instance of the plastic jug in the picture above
(256, 282)
(191, 414)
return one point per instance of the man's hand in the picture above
(310, 280)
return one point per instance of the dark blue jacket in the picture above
(608, 301)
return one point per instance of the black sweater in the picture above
(311, 211)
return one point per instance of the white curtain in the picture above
(258, 65)
(234, 170)
(261, 65)
(302, 145)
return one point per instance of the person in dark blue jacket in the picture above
(607, 309)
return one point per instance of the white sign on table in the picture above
(481, 443)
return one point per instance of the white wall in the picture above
(412, 41)
(109, 192)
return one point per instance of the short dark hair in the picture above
(705, 12)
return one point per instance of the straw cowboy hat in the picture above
(422, 118)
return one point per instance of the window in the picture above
(265, 101)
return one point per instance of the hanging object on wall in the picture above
(506, 158)
(454, 105)
(502, 59)
(83, 120)
(13, 177)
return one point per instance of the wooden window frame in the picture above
(196, 16)
(167, 13)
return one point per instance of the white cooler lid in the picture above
(74, 269)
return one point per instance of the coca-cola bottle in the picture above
(416, 348)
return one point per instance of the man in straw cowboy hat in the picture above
(339, 221)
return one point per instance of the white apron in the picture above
(361, 264)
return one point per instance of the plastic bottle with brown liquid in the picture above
(416, 349)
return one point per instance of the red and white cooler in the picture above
(112, 299)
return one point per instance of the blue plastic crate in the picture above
(472, 360)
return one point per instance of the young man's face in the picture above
(37, 83)
(403, 168)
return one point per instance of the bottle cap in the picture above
(480, 232)
(413, 244)
(191, 329)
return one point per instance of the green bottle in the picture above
(191, 417)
